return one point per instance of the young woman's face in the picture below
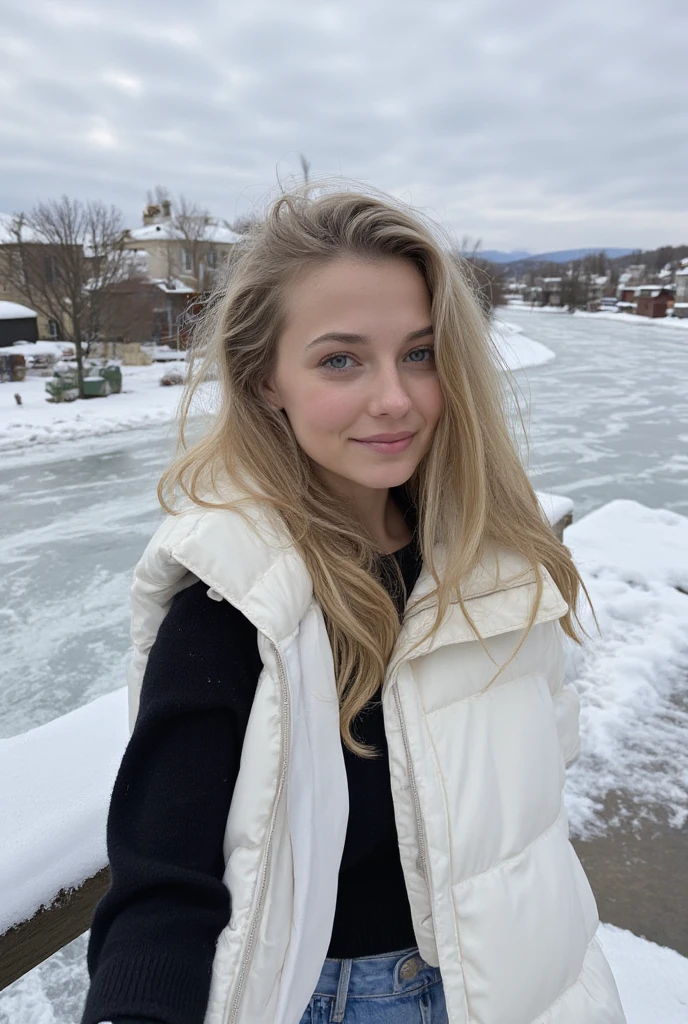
(355, 371)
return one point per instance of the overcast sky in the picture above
(523, 123)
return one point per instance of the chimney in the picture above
(166, 207)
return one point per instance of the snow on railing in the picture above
(56, 786)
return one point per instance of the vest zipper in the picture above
(286, 724)
(414, 790)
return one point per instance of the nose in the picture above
(389, 396)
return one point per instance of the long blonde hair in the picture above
(468, 489)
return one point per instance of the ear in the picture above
(271, 394)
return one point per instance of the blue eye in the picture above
(426, 354)
(330, 360)
(427, 350)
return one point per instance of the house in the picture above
(180, 251)
(47, 328)
(547, 291)
(681, 299)
(629, 279)
(17, 323)
(653, 300)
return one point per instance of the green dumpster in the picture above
(62, 388)
(112, 373)
(96, 387)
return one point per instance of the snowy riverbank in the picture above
(142, 402)
(603, 314)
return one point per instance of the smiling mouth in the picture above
(386, 447)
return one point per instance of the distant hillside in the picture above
(560, 256)
(495, 256)
(566, 255)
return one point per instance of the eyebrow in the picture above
(363, 339)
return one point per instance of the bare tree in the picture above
(65, 257)
(488, 279)
(191, 224)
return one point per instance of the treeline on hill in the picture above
(492, 280)
(597, 263)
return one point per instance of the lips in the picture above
(386, 438)
(397, 443)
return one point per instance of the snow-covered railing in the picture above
(56, 786)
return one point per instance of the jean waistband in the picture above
(384, 974)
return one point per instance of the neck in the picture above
(378, 513)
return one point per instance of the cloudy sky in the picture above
(526, 124)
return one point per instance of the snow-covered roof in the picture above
(683, 272)
(173, 286)
(166, 230)
(552, 280)
(652, 289)
(15, 311)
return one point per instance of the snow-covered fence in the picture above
(56, 786)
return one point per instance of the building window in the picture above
(54, 330)
(187, 261)
(211, 259)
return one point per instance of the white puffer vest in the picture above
(499, 899)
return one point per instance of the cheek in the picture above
(428, 400)
(327, 410)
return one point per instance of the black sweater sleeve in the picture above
(154, 933)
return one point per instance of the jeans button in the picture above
(410, 969)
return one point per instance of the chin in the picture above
(383, 476)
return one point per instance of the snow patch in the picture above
(516, 350)
(631, 676)
(652, 980)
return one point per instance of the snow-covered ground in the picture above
(632, 559)
(142, 402)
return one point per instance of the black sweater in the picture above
(154, 933)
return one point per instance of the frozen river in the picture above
(607, 418)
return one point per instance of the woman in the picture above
(342, 796)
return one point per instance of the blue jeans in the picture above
(392, 988)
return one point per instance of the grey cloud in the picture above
(521, 124)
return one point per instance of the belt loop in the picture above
(339, 1007)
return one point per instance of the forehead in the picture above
(358, 296)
